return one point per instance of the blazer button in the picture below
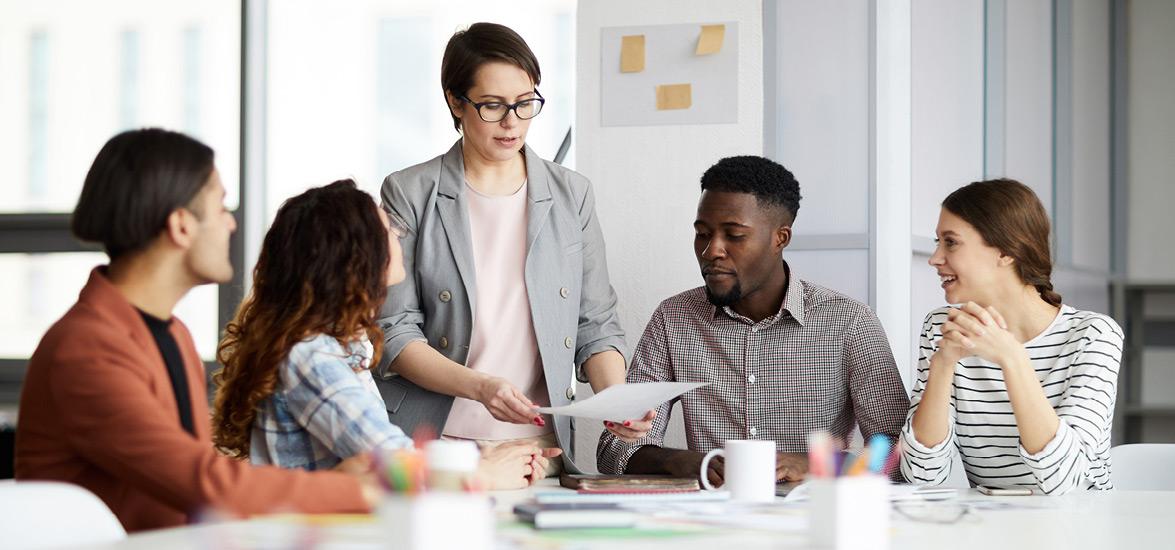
(564, 292)
(446, 296)
(568, 342)
(571, 392)
(444, 342)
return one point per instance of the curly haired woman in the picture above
(296, 389)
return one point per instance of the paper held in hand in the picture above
(624, 401)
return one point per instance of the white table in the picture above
(1083, 520)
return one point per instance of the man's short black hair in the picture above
(137, 180)
(772, 184)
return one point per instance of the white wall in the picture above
(1151, 163)
(1090, 140)
(1028, 97)
(947, 133)
(822, 106)
(646, 178)
(819, 97)
(1082, 198)
(947, 96)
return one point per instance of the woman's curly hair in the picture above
(322, 270)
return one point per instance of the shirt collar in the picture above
(793, 302)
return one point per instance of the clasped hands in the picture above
(976, 331)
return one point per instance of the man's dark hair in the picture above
(772, 185)
(137, 180)
(482, 43)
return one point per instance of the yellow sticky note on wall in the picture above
(674, 96)
(632, 53)
(710, 41)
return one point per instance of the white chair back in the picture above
(38, 514)
(1143, 467)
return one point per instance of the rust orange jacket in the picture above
(98, 410)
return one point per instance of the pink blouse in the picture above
(503, 342)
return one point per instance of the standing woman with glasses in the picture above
(1019, 384)
(507, 301)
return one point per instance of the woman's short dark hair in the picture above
(482, 43)
(137, 180)
(1009, 216)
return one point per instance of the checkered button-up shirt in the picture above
(821, 363)
(324, 409)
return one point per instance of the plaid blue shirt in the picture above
(324, 409)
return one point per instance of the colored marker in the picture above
(860, 464)
(820, 455)
(878, 452)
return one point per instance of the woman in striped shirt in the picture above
(1019, 384)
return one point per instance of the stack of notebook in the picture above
(604, 484)
(574, 515)
(603, 501)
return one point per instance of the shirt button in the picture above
(754, 431)
(571, 392)
(564, 292)
(751, 379)
(446, 296)
(754, 329)
(444, 342)
(568, 342)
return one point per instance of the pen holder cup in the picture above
(438, 521)
(850, 512)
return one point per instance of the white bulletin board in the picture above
(630, 99)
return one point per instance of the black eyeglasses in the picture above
(494, 111)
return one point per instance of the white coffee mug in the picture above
(749, 469)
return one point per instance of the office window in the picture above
(400, 100)
(128, 98)
(38, 122)
(75, 74)
(38, 289)
(354, 89)
(193, 49)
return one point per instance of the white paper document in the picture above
(624, 401)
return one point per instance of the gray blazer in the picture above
(571, 300)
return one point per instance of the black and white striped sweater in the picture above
(1076, 360)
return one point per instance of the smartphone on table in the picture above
(1005, 491)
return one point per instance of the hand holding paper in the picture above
(624, 401)
(631, 431)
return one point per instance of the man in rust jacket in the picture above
(115, 399)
